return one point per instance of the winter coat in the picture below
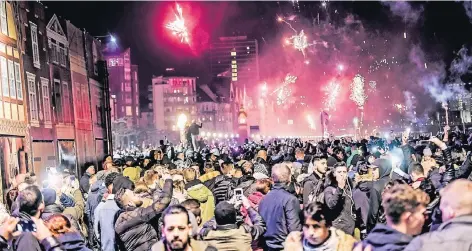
(133, 226)
(48, 244)
(261, 166)
(72, 242)
(385, 168)
(133, 173)
(281, 213)
(196, 190)
(77, 211)
(309, 184)
(222, 187)
(209, 176)
(233, 236)
(194, 245)
(85, 183)
(385, 238)
(337, 241)
(361, 197)
(451, 235)
(340, 205)
(95, 195)
(104, 223)
(245, 182)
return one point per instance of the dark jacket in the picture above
(340, 208)
(48, 244)
(72, 241)
(234, 236)
(194, 128)
(308, 185)
(94, 197)
(133, 226)
(361, 197)
(281, 213)
(451, 235)
(194, 244)
(385, 168)
(85, 183)
(385, 238)
(222, 187)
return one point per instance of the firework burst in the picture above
(331, 94)
(284, 92)
(299, 41)
(357, 91)
(178, 27)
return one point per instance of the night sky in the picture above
(443, 27)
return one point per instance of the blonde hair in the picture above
(189, 174)
(461, 203)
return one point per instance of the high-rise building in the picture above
(236, 58)
(173, 94)
(124, 87)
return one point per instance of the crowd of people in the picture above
(341, 194)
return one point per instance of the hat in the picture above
(215, 152)
(122, 182)
(427, 152)
(331, 161)
(260, 176)
(49, 196)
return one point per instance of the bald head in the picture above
(453, 205)
(281, 173)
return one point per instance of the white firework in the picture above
(331, 94)
(357, 91)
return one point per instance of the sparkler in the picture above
(357, 91)
(178, 27)
(331, 94)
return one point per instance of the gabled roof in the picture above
(55, 31)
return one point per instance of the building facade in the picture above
(124, 87)
(14, 139)
(59, 84)
(237, 58)
(172, 95)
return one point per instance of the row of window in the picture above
(11, 79)
(33, 94)
(186, 100)
(58, 52)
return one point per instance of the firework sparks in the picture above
(178, 27)
(357, 91)
(331, 95)
(299, 40)
(284, 92)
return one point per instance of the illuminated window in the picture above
(233, 62)
(11, 78)
(34, 45)
(234, 74)
(129, 111)
(19, 90)
(235, 79)
(290, 122)
(4, 72)
(33, 105)
(3, 15)
(235, 70)
(233, 53)
(234, 66)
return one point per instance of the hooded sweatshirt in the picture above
(385, 168)
(196, 190)
(385, 238)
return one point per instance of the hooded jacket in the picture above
(95, 195)
(451, 235)
(234, 236)
(385, 238)
(361, 197)
(196, 190)
(281, 213)
(133, 225)
(385, 168)
(72, 242)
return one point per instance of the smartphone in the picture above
(25, 226)
(238, 194)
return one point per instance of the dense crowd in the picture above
(378, 193)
